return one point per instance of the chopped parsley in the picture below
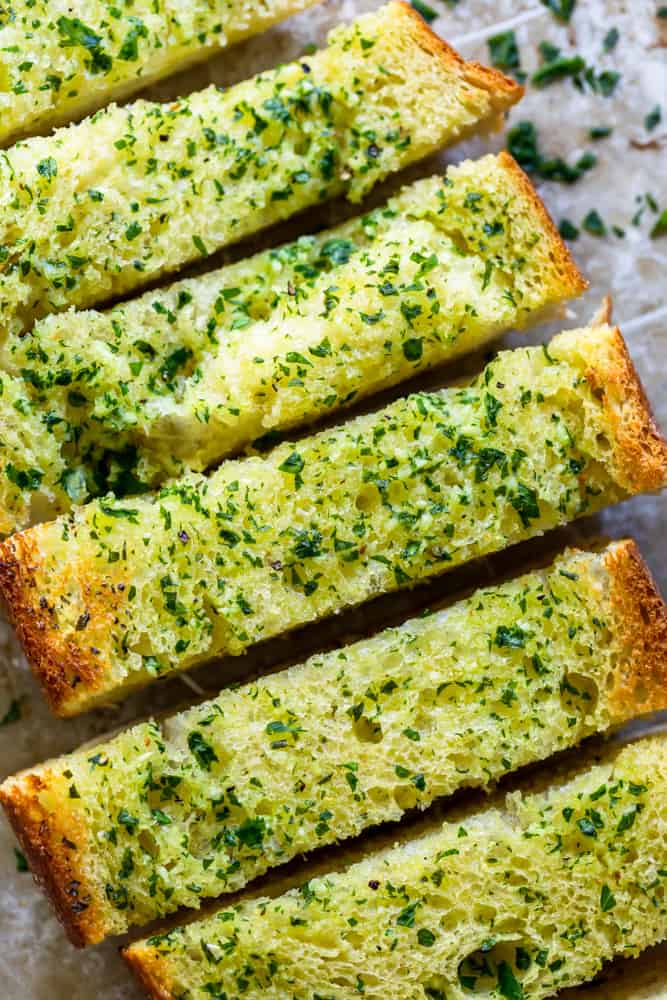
(203, 752)
(21, 861)
(653, 118)
(47, 168)
(607, 899)
(611, 39)
(556, 68)
(510, 635)
(426, 12)
(523, 144)
(660, 226)
(568, 230)
(526, 504)
(413, 348)
(251, 833)
(129, 822)
(294, 466)
(504, 51)
(73, 32)
(562, 9)
(605, 83)
(13, 713)
(594, 224)
(508, 985)
(200, 246)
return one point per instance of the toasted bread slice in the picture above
(77, 64)
(514, 902)
(133, 828)
(121, 592)
(180, 378)
(105, 206)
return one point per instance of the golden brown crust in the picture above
(47, 839)
(150, 970)
(572, 280)
(503, 89)
(60, 665)
(604, 314)
(17, 585)
(640, 622)
(639, 447)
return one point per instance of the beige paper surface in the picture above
(36, 961)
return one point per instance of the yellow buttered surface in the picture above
(100, 208)
(170, 813)
(121, 592)
(56, 66)
(516, 903)
(180, 378)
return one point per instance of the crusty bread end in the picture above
(63, 665)
(638, 449)
(46, 837)
(572, 282)
(503, 90)
(641, 448)
(153, 974)
(641, 624)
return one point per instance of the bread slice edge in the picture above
(503, 90)
(43, 839)
(151, 971)
(639, 687)
(640, 620)
(638, 449)
(30, 616)
(574, 282)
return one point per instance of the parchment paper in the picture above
(36, 961)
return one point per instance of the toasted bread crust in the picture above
(46, 837)
(640, 449)
(573, 280)
(59, 665)
(550, 792)
(150, 970)
(604, 313)
(640, 621)
(503, 89)
(51, 829)
(76, 667)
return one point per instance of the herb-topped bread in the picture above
(121, 592)
(517, 903)
(56, 65)
(180, 378)
(105, 206)
(171, 812)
